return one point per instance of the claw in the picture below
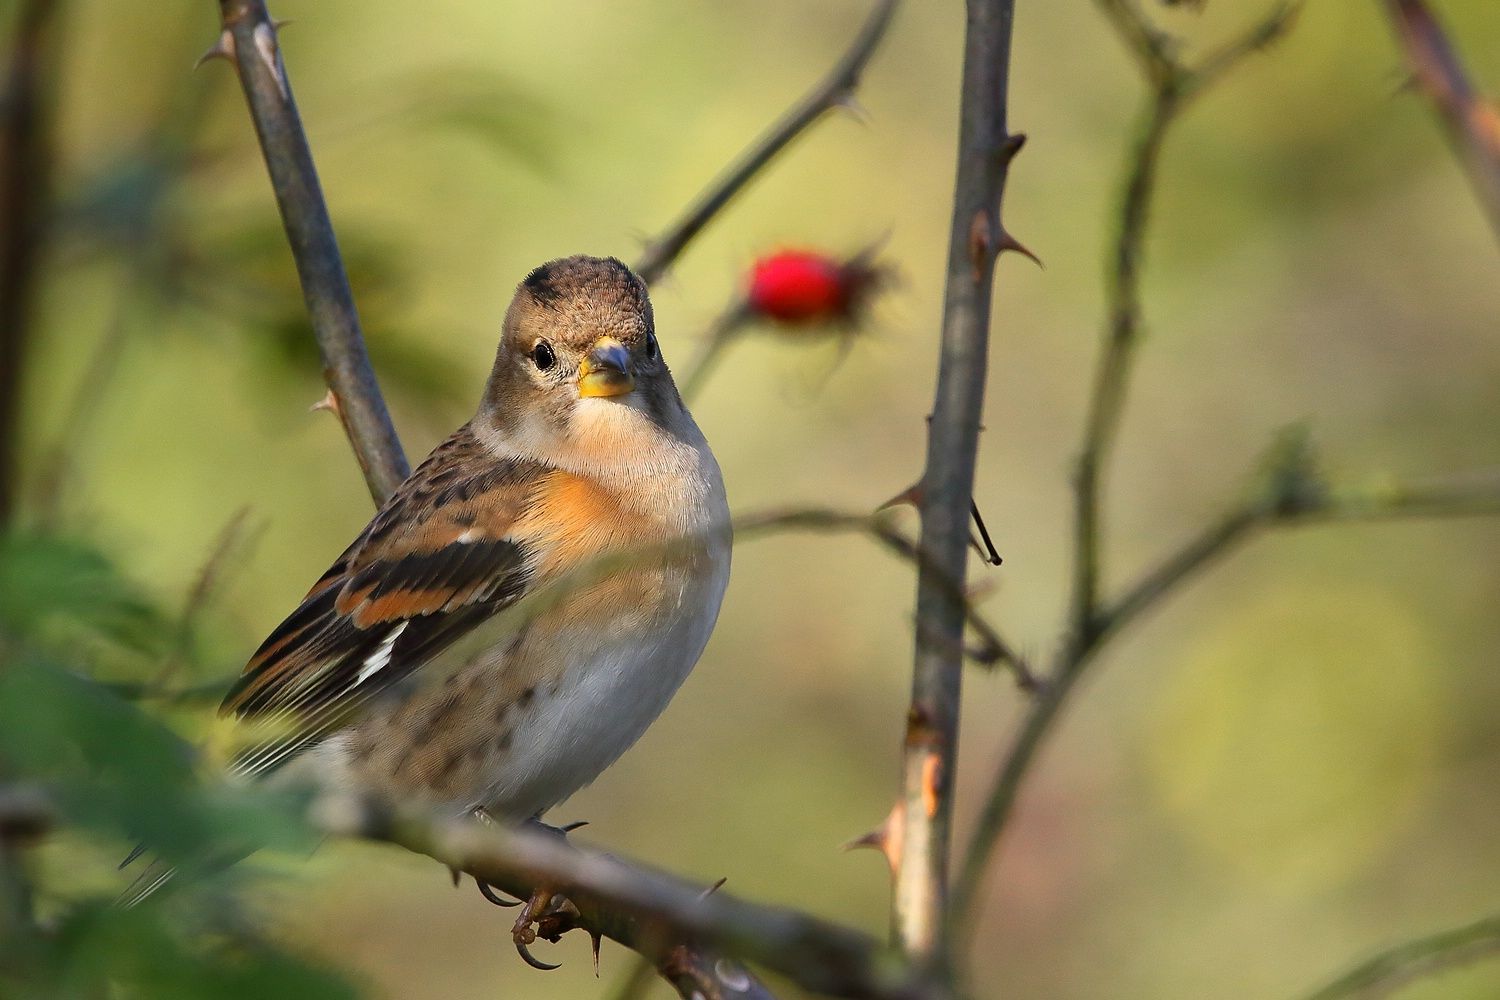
(595, 938)
(532, 960)
(488, 892)
(575, 825)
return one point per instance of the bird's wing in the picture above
(437, 559)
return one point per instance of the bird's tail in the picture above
(151, 878)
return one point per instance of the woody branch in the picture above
(249, 40)
(1472, 123)
(925, 808)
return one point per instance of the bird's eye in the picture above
(650, 345)
(542, 355)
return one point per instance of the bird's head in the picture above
(579, 341)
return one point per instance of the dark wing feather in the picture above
(435, 561)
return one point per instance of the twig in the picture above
(1472, 123)
(252, 43)
(985, 150)
(1467, 497)
(1398, 966)
(25, 174)
(729, 324)
(993, 648)
(1172, 87)
(647, 911)
(835, 90)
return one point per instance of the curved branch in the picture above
(647, 911)
(834, 90)
(250, 40)
(1413, 960)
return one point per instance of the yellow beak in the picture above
(605, 370)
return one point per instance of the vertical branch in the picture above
(25, 166)
(250, 39)
(985, 149)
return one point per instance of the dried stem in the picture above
(25, 172)
(985, 150)
(652, 912)
(320, 268)
(834, 90)
(1392, 969)
(1472, 123)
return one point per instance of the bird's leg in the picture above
(543, 904)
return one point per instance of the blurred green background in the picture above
(1294, 762)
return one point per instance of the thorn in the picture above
(885, 838)
(1009, 242)
(1012, 145)
(595, 938)
(911, 496)
(850, 104)
(329, 402)
(265, 46)
(222, 49)
(713, 888)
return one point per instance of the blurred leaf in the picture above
(511, 121)
(100, 950)
(50, 582)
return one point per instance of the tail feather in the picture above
(155, 875)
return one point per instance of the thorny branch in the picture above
(1392, 969)
(833, 91)
(1472, 123)
(991, 648)
(650, 912)
(977, 236)
(250, 41)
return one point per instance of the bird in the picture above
(527, 602)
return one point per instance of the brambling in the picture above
(583, 482)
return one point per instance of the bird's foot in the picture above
(545, 914)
